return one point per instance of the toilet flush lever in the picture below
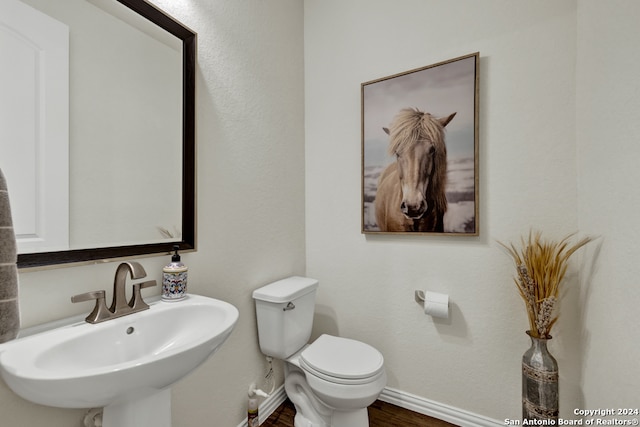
(289, 306)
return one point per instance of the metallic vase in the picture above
(539, 382)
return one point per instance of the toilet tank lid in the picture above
(285, 290)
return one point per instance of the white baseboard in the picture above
(399, 398)
(438, 410)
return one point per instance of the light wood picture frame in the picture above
(420, 150)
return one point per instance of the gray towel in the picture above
(9, 304)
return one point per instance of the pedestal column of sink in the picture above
(152, 410)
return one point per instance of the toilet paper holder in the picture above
(434, 304)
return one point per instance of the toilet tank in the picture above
(284, 312)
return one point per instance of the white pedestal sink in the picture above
(125, 365)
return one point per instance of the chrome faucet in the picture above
(119, 306)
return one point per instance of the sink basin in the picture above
(86, 365)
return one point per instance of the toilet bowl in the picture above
(330, 381)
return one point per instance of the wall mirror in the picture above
(131, 131)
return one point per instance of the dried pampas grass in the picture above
(541, 265)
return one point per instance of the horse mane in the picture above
(411, 126)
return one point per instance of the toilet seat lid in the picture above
(342, 358)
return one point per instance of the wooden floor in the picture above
(381, 414)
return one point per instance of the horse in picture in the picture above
(411, 191)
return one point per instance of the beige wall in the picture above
(608, 131)
(529, 139)
(250, 159)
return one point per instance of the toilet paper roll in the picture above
(436, 305)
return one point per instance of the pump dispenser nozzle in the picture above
(253, 391)
(176, 256)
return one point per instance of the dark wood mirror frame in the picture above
(188, 241)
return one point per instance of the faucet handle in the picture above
(137, 303)
(89, 296)
(100, 311)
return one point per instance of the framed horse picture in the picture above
(420, 150)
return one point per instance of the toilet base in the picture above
(311, 412)
(357, 418)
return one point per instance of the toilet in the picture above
(330, 381)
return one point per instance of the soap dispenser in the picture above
(174, 278)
